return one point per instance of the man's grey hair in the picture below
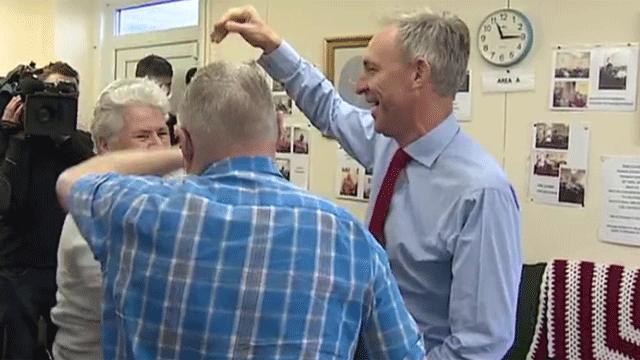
(108, 113)
(229, 103)
(441, 39)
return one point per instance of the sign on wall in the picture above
(621, 207)
(510, 80)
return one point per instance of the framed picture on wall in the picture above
(343, 65)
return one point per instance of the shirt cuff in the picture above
(282, 62)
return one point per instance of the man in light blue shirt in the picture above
(452, 229)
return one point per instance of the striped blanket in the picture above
(588, 311)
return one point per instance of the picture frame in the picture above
(343, 65)
(333, 47)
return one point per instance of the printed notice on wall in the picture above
(462, 101)
(559, 160)
(353, 181)
(600, 78)
(621, 207)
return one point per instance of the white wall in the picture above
(26, 32)
(562, 232)
(501, 123)
(76, 40)
(51, 30)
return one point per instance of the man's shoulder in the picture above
(110, 184)
(323, 206)
(474, 166)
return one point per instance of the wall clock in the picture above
(505, 37)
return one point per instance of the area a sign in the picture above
(508, 81)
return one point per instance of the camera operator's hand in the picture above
(13, 112)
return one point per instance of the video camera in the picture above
(49, 109)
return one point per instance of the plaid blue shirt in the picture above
(237, 263)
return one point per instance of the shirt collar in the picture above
(428, 148)
(256, 164)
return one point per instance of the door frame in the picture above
(110, 43)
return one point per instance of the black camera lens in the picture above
(44, 115)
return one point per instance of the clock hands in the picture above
(503, 36)
(500, 31)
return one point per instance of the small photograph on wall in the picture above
(572, 186)
(349, 184)
(612, 74)
(352, 180)
(283, 103)
(595, 78)
(572, 65)
(284, 165)
(367, 187)
(559, 162)
(548, 163)
(570, 94)
(284, 141)
(552, 136)
(300, 141)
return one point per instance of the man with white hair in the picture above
(233, 261)
(441, 205)
(129, 114)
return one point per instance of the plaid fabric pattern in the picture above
(237, 263)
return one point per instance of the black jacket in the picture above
(30, 216)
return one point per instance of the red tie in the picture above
(381, 208)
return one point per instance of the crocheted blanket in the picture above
(588, 311)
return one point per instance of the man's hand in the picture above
(246, 22)
(13, 111)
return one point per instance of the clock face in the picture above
(505, 37)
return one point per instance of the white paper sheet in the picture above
(511, 80)
(621, 206)
(462, 101)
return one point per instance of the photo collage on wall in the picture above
(559, 162)
(601, 78)
(353, 181)
(292, 148)
(292, 155)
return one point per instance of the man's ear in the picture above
(186, 146)
(422, 73)
(102, 146)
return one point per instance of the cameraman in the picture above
(31, 219)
